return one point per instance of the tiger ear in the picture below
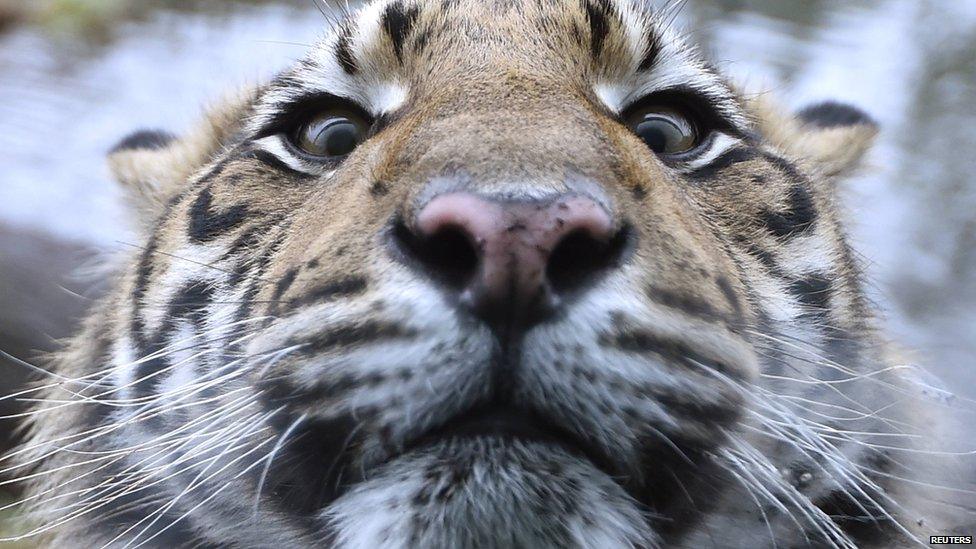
(832, 138)
(153, 166)
(147, 164)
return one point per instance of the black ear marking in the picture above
(147, 140)
(832, 114)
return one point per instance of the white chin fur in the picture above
(489, 492)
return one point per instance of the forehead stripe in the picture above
(398, 23)
(598, 18)
(343, 51)
(651, 51)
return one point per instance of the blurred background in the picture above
(77, 75)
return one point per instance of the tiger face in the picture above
(487, 274)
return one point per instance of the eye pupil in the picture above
(653, 135)
(664, 132)
(339, 138)
(331, 135)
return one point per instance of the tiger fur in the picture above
(274, 367)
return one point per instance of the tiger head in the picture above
(490, 273)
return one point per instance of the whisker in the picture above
(274, 452)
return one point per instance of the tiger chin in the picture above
(489, 274)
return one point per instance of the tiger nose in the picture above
(514, 262)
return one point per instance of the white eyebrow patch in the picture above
(612, 95)
(366, 84)
(636, 30)
(720, 144)
(672, 69)
(385, 97)
(676, 66)
(273, 145)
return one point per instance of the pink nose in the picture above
(514, 261)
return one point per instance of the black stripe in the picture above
(785, 166)
(640, 341)
(813, 291)
(366, 332)
(259, 267)
(343, 287)
(143, 274)
(730, 295)
(284, 283)
(282, 286)
(191, 301)
(688, 304)
(860, 516)
(421, 38)
(188, 303)
(343, 50)
(597, 16)
(273, 161)
(713, 414)
(398, 22)
(248, 240)
(798, 218)
(651, 51)
(206, 225)
(214, 172)
(764, 256)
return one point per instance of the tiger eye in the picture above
(331, 135)
(664, 131)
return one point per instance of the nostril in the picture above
(580, 256)
(507, 261)
(447, 255)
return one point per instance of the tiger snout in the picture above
(512, 263)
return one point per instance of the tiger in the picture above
(490, 273)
